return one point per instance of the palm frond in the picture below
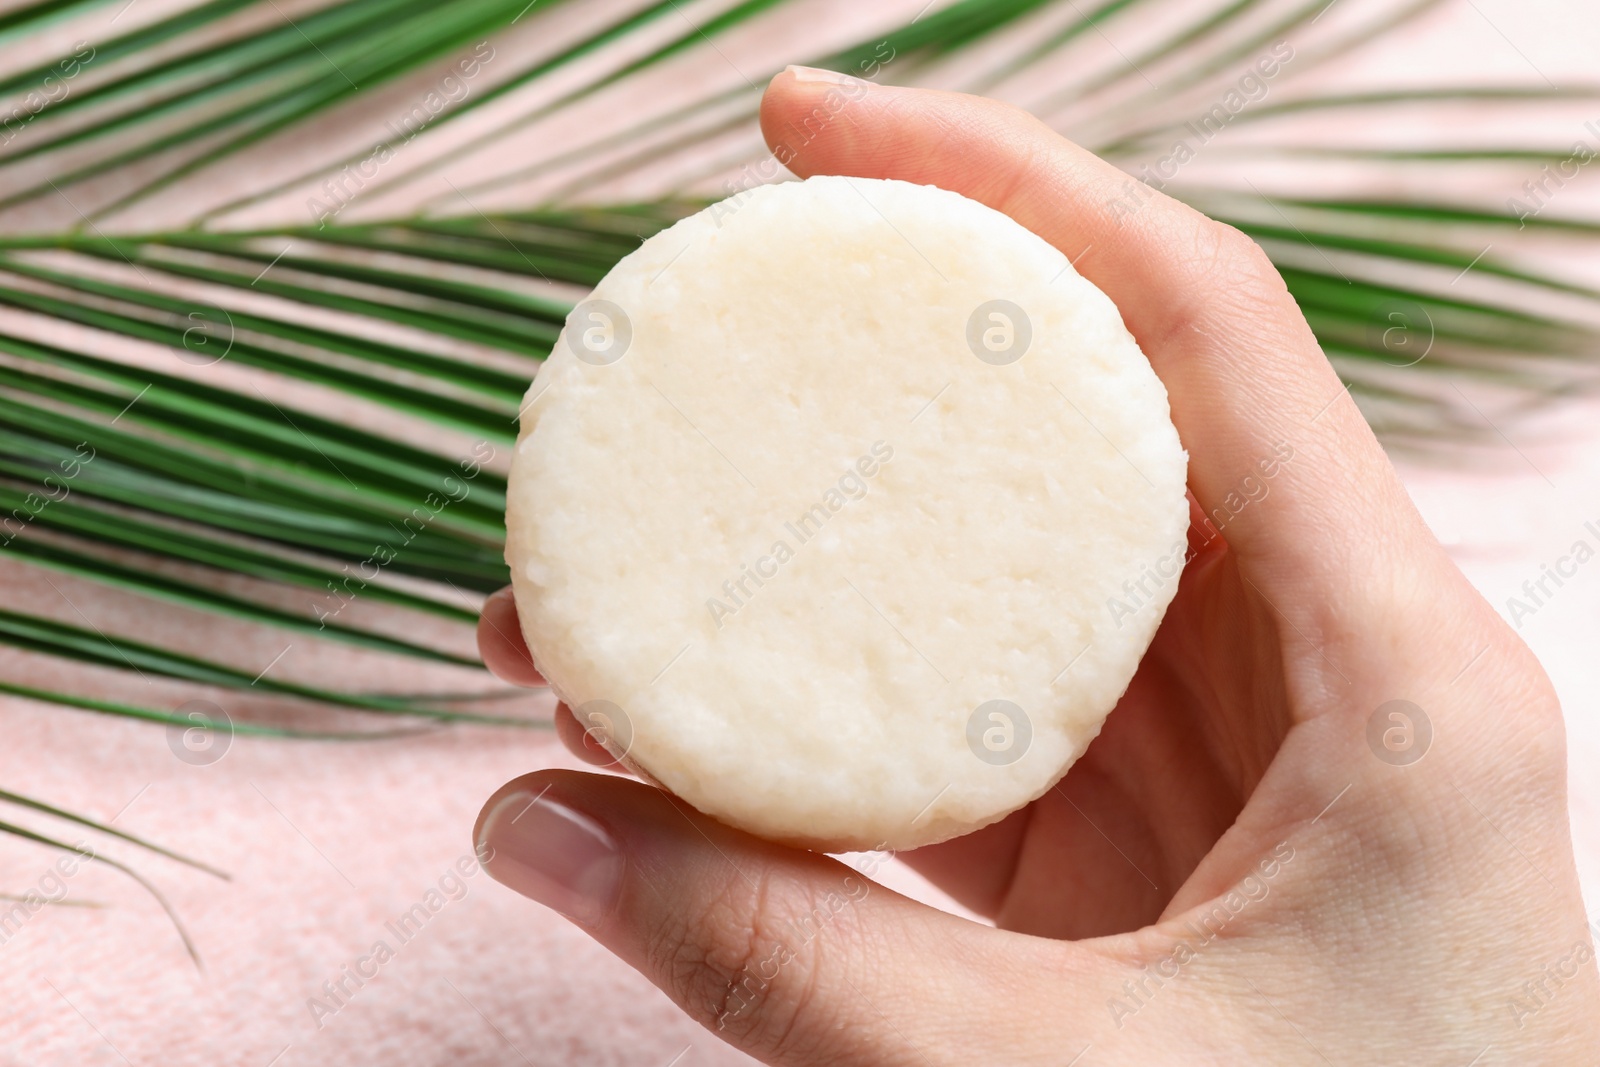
(274, 276)
(25, 834)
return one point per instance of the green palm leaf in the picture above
(246, 403)
(230, 479)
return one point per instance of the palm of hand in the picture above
(1112, 846)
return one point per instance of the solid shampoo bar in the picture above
(824, 506)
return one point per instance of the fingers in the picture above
(788, 955)
(501, 644)
(582, 740)
(505, 653)
(1254, 400)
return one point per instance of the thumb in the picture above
(790, 956)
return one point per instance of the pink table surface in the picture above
(327, 844)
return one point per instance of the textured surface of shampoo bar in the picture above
(824, 506)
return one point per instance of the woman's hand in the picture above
(1326, 825)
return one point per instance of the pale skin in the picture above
(1417, 902)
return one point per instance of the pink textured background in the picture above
(327, 843)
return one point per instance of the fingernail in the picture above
(826, 77)
(553, 854)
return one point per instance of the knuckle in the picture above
(1531, 752)
(739, 963)
(1228, 252)
(1232, 280)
